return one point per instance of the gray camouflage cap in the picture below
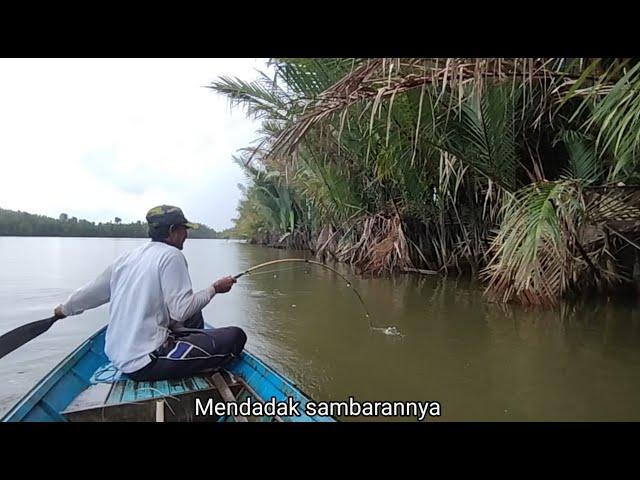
(168, 215)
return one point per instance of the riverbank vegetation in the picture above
(16, 223)
(522, 171)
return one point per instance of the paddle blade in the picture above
(21, 335)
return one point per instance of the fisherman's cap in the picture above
(168, 215)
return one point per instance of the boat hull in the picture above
(51, 399)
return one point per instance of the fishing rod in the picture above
(312, 262)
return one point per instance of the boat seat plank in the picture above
(226, 394)
(132, 391)
(93, 397)
(127, 391)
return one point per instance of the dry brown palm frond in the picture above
(617, 206)
(327, 242)
(378, 79)
(381, 246)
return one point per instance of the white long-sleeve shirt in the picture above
(147, 287)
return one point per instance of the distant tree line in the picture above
(16, 223)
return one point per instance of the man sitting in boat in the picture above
(156, 329)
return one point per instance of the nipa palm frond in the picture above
(483, 136)
(532, 259)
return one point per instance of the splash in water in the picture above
(392, 331)
(258, 294)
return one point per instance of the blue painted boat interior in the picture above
(73, 375)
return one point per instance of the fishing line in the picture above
(387, 330)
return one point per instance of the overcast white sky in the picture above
(100, 138)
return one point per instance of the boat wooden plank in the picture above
(93, 397)
(177, 386)
(130, 393)
(202, 382)
(226, 394)
(162, 386)
(116, 392)
(145, 390)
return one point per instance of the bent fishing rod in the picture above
(312, 262)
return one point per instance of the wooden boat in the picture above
(71, 393)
